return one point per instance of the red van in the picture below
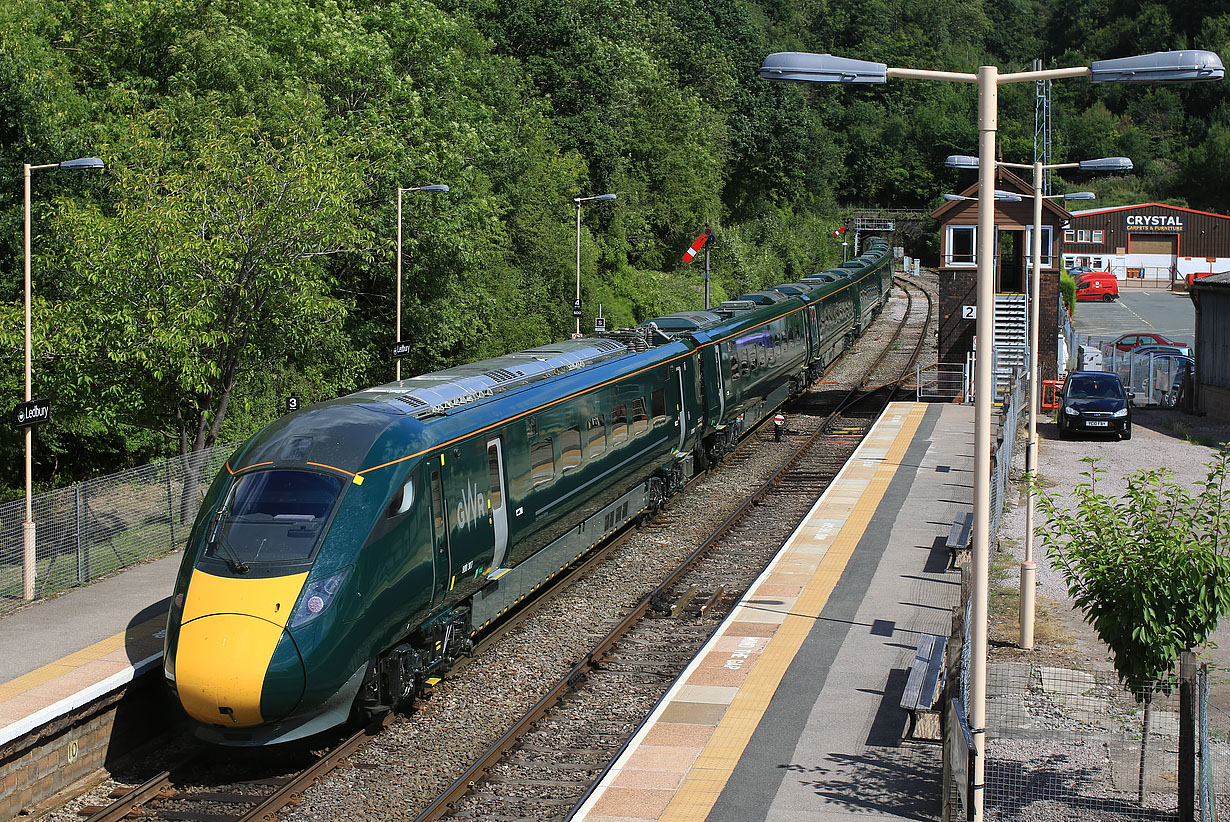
(1098, 285)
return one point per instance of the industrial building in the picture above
(1160, 245)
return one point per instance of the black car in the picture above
(1094, 402)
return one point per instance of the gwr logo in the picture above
(471, 506)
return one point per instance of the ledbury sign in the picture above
(31, 413)
(1161, 223)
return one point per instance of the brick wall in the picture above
(36, 767)
(958, 287)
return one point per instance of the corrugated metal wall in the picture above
(1203, 234)
(1213, 338)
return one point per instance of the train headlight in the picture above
(315, 598)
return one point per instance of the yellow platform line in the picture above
(70, 663)
(711, 771)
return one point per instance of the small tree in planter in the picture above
(1150, 569)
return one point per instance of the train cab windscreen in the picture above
(272, 519)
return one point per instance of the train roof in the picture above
(439, 391)
(763, 297)
(685, 320)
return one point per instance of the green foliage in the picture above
(221, 120)
(1151, 569)
(1067, 290)
(205, 265)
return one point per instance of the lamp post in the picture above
(433, 189)
(1179, 66)
(27, 527)
(1026, 602)
(580, 201)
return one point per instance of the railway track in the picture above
(548, 760)
(547, 763)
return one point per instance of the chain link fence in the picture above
(88, 530)
(1071, 744)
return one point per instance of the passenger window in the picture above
(745, 362)
(437, 507)
(542, 461)
(403, 500)
(640, 419)
(657, 406)
(495, 482)
(570, 448)
(597, 436)
(619, 425)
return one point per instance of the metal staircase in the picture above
(1011, 339)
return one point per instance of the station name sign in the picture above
(30, 413)
(1160, 223)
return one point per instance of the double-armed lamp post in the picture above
(1178, 66)
(580, 201)
(1028, 566)
(431, 189)
(28, 567)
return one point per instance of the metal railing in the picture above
(941, 381)
(97, 527)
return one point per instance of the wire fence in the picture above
(1012, 403)
(1072, 744)
(97, 527)
(1152, 377)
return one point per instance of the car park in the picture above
(1094, 402)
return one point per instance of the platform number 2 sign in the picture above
(969, 312)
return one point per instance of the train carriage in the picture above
(348, 552)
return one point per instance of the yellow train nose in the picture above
(221, 667)
(231, 629)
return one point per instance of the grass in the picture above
(1180, 430)
(1051, 639)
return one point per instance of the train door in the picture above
(439, 534)
(471, 522)
(496, 496)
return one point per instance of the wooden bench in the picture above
(959, 536)
(923, 687)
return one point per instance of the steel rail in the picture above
(460, 787)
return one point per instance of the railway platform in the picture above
(66, 664)
(792, 710)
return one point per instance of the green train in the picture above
(348, 553)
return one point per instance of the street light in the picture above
(27, 527)
(1182, 66)
(1029, 571)
(580, 201)
(1000, 196)
(432, 189)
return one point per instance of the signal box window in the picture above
(596, 436)
(640, 419)
(619, 425)
(657, 405)
(542, 461)
(570, 448)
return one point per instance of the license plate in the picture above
(1097, 423)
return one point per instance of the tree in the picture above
(1150, 569)
(206, 264)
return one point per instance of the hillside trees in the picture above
(206, 263)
